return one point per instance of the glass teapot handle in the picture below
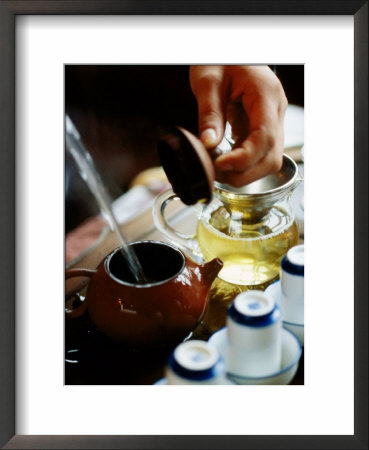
(186, 242)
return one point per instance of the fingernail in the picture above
(209, 138)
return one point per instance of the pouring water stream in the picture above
(93, 180)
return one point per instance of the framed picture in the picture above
(37, 39)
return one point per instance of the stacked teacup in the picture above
(289, 291)
(292, 284)
(255, 347)
(195, 362)
(254, 329)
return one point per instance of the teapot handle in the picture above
(72, 312)
(186, 242)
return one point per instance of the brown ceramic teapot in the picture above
(161, 312)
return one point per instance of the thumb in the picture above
(211, 112)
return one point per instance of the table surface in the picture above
(92, 359)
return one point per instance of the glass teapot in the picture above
(250, 228)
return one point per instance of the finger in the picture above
(271, 163)
(266, 134)
(242, 159)
(210, 100)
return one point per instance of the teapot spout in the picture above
(211, 269)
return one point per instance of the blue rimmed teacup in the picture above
(195, 362)
(292, 285)
(254, 335)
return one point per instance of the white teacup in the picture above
(275, 291)
(254, 330)
(292, 272)
(292, 285)
(195, 362)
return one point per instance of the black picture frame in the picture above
(8, 11)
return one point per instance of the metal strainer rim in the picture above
(231, 190)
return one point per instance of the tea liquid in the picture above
(251, 253)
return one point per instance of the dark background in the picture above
(117, 109)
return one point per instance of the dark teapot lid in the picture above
(187, 165)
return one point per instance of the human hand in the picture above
(252, 100)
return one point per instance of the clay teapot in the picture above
(161, 312)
